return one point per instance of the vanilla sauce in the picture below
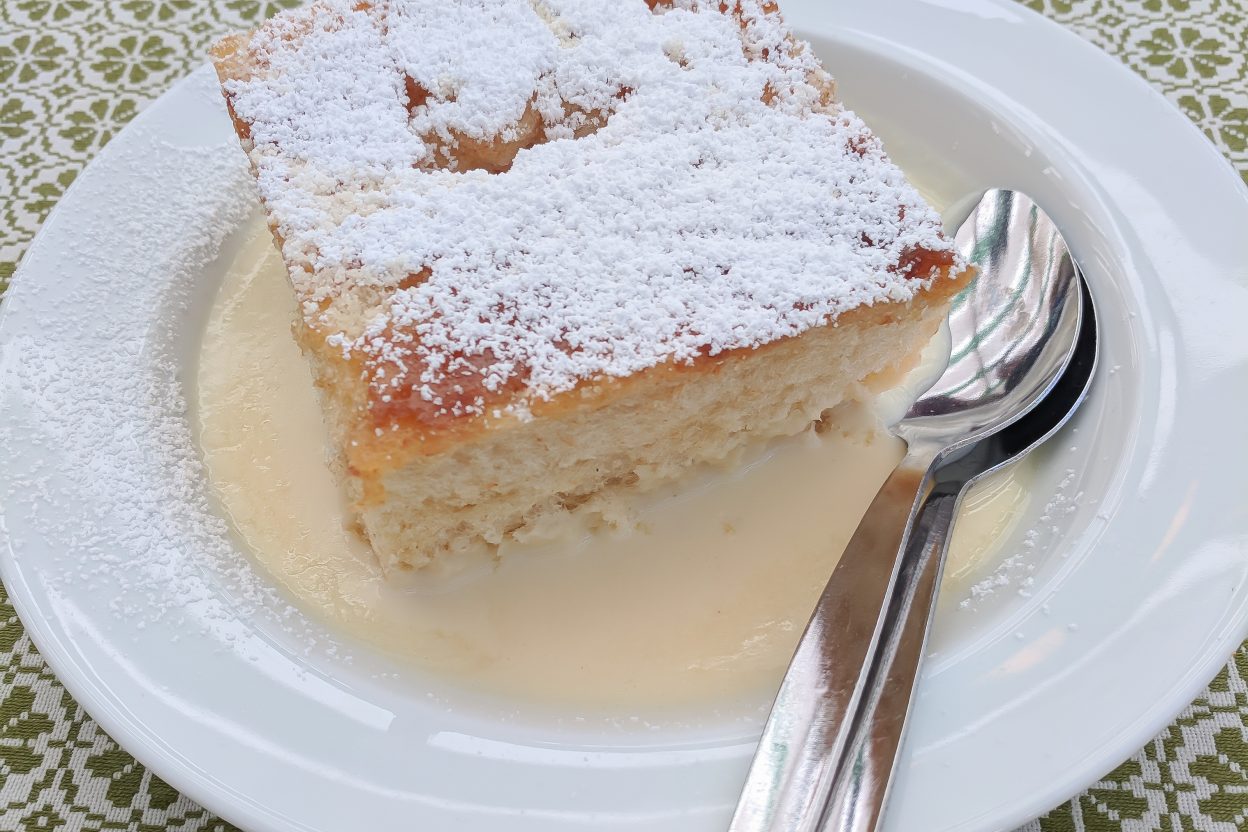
(703, 602)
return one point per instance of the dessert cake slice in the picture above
(547, 252)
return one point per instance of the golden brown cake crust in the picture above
(425, 431)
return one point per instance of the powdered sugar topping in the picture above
(507, 198)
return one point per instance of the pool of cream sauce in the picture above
(703, 602)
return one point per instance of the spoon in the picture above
(1024, 352)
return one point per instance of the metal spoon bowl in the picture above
(1014, 329)
(1023, 356)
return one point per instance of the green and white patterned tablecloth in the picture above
(73, 72)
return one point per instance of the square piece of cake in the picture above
(548, 252)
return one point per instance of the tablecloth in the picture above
(73, 72)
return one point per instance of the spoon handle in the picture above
(806, 743)
(860, 787)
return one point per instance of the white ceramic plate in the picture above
(134, 593)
